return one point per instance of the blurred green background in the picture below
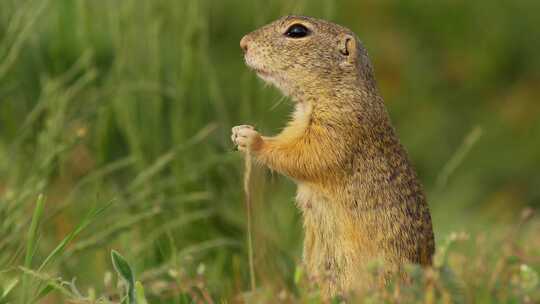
(131, 102)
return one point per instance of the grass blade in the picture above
(31, 243)
(458, 157)
(87, 220)
(33, 232)
(8, 288)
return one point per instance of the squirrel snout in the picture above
(244, 43)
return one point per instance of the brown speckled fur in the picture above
(357, 191)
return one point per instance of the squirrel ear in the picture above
(347, 46)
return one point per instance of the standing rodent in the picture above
(358, 193)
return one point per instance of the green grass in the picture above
(119, 112)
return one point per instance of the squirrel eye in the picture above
(297, 31)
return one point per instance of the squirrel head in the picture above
(307, 56)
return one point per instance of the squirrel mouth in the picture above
(271, 78)
(264, 74)
(268, 76)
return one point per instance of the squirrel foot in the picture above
(246, 138)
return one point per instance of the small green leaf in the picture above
(122, 267)
(124, 270)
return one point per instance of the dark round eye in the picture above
(297, 31)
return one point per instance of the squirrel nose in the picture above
(244, 43)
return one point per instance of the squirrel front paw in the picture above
(246, 138)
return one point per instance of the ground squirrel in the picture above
(358, 193)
